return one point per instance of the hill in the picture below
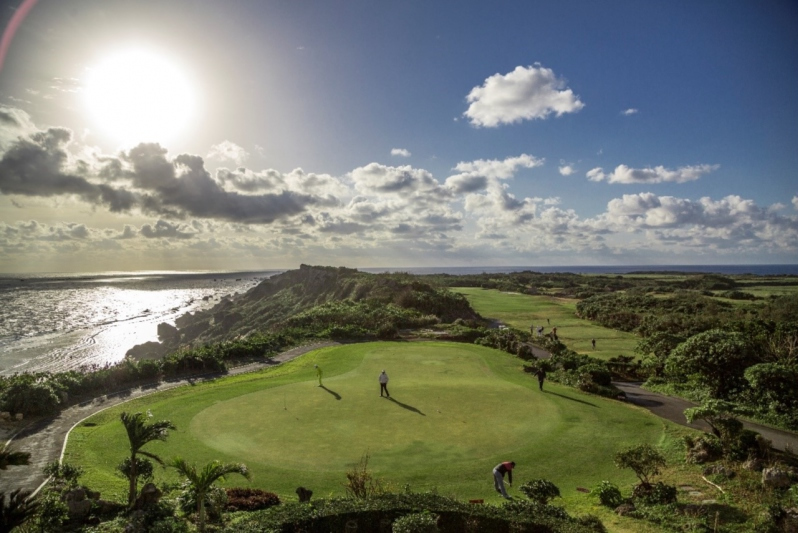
(315, 298)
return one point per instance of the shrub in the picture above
(250, 499)
(609, 495)
(540, 490)
(425, 522)
(657, 494)
(359, 481)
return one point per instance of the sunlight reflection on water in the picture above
(62, 323)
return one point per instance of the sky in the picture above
(249, 135)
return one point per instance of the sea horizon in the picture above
(763, 269)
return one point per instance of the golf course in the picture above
(456, 410)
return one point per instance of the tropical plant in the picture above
(17, 509)
(202, 480)
(139, 434)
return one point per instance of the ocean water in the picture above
(56, 322)
(756, 270)
(59, 322)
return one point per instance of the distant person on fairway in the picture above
(541, 374)
(498, 477)
(318, 373)
(384, 384)
(593, 342)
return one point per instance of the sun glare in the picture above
(140, 95)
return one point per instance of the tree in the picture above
(643, 459)
(202, 481)
(774, 387)
(140, 433)
(715, 359)
(659, 345)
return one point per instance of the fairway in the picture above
(455, 411)
(522, 310)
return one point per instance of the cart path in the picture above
(45, 439)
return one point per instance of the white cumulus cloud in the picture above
(400, 152)
(567, 170)
(526, 93)
(228, 151)
(659, 174)
(630, 111)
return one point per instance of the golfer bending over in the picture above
(498, 477)
(384, 384)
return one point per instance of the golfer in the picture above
(498, 477)
(384, 384)
(318, 373)
(541, 374)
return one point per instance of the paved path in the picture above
(672, 408)
(45, 439)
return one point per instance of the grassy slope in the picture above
(521, 310)
(478, 409)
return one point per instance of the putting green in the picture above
(444, 406)
(456, 411)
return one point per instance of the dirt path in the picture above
(45, 439)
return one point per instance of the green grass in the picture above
(458, 411)
(522, 310)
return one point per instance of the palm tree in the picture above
(19, 507)
(202, 481)
(17, 510)
(139, 433)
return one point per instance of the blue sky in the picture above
(413, 133)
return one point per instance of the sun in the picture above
(140, 95)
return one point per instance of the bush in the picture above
(250, 499)
(657, 494)
(425, 522)
(540, 491)
(609, 495)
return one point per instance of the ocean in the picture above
(53, 322)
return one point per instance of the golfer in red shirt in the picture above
(498, 477)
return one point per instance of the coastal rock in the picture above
(167, 333)
(148, 350)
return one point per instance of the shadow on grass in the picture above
(572, 399)
(405, 406)
(337, 396)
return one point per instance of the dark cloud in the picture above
(144, 178)
(163, 229)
